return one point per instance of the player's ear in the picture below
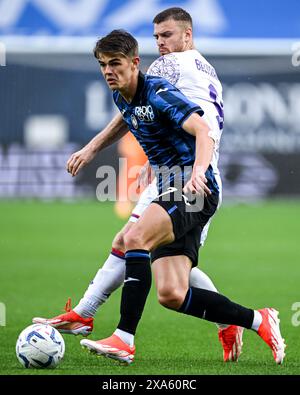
(136, 61)
(188, 34)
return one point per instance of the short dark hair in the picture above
(117, 41)
(176, 13)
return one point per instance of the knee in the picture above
(171, 298)
(118, 242)
(134, 240)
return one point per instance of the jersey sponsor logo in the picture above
(144, 113)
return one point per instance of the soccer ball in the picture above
(40, 346)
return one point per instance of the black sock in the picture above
(135, 290)
(212, 306)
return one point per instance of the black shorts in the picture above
(188, 224)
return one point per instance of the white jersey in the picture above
(190, 72)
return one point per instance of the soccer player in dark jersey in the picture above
(174, 136)
(183, 66)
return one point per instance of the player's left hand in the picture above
(197, 183)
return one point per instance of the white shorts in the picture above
(148, 195)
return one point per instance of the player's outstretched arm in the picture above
(115, 130)
(196, 126)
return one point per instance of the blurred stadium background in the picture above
(53, 101)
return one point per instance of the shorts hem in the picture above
(165, 254)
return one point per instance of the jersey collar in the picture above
(140, 87)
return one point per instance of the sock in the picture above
(136, 287)
(257, 320)
(215, 307)
(108, 279)
(198, 279)
(127, 338)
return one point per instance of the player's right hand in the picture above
(197, 183)
(80, 159)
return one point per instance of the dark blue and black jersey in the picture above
(155, 117)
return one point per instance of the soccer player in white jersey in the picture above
(173, 33)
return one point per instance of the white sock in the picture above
(127, 338)
(257, 320)
(108, 279)
(199, 279)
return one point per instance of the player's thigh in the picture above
(153, 229)
(144, 201)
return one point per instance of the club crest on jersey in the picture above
(144, 113)
(134, 122)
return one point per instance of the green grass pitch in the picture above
(50, 251)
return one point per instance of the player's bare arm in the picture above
(196, 126)
(115, 130)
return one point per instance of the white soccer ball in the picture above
(40, 346)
